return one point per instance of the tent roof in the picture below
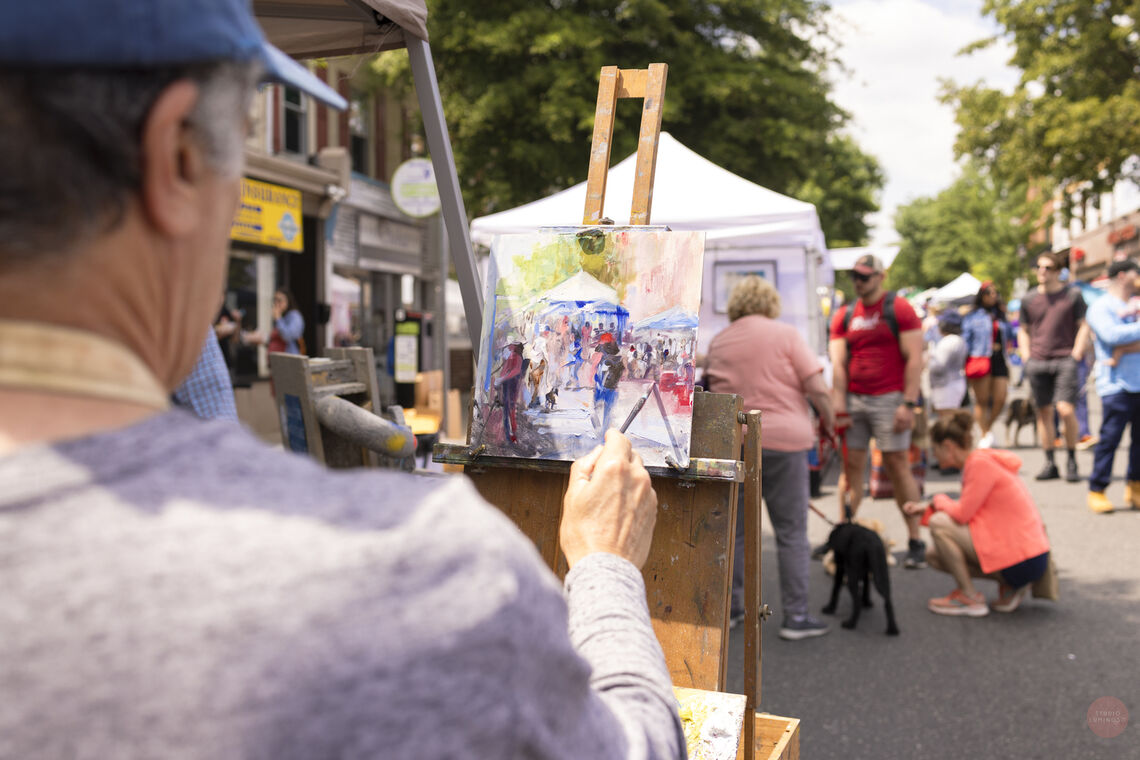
(964, 285)
(689, 193)
(673, 317)
(581, 287)
(325, 28)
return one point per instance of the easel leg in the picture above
(752, 601)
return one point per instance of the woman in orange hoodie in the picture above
(994, 531)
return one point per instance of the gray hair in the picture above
(69, 145)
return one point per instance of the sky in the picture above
(896, 51)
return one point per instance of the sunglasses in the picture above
(861, 277)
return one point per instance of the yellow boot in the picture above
(1132, 493)
(1099, 503)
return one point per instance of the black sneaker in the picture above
(1071, 474)
(1048, 472)
(915, 554)
(806, 627)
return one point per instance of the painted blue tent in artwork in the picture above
(582, 297)
(675, 318)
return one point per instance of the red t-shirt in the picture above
(875, 363)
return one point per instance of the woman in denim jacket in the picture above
(986, 332)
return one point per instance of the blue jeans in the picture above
(1119, 411)
(1082, 399)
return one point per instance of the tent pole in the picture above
(454, 215)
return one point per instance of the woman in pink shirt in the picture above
(769, 364)
(994, 531)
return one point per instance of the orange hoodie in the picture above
(1004, 523)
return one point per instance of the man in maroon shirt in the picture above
(1050, 318)
(876, 370)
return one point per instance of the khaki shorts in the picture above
(875, 415)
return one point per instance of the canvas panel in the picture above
(580, 324)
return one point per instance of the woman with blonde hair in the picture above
(770, 365)
(994, 531)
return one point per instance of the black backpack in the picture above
(888, 315)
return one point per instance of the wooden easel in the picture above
(688, 576)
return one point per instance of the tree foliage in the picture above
(1074, 117)
(746, 89)
(972, 226)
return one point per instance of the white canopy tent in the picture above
(749, 229)
(689, 193)
(963, 287)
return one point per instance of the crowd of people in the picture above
(890, 367)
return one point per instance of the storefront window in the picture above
(294, 122)
(358, 135)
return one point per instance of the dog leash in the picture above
(826, 519)
(841, 446)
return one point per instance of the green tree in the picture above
(843, 185)
(975, 226)
(747, 88)
(1074, 117)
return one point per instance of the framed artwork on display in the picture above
(727, 273)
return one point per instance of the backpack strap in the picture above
(889, 313)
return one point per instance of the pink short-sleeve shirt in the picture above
(767, 363)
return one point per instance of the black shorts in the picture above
(1052, 380)
(998, 367)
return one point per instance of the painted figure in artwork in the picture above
(607, 372)
(575, 361)
(510, 373)
(541, 378)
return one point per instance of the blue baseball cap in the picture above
(950, 318)
(146, 33)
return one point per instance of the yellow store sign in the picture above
(268, 215)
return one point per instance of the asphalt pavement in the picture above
(1014, 686)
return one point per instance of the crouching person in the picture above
(994, 531)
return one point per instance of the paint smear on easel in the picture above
(578, 324)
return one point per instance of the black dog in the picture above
(1021, 412)
(860, 556)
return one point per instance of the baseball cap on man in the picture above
(145, 33)
(868, 264)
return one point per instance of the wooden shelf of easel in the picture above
(688, 576)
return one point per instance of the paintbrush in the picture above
(637, 408)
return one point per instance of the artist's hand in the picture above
(904, 418)
(610, 505)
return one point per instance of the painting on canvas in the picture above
(581, 325)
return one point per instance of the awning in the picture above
(326, 28)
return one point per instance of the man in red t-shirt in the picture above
(875, 385)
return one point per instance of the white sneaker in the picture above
(987, 441)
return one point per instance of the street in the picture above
(1014, 685)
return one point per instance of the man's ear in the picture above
(172, 162)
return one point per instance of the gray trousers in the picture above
(785, 490)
